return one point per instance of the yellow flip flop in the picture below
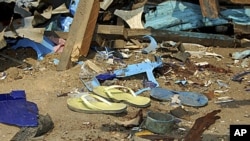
(114, 94)
(94, 104)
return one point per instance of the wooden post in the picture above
(210, 8)
(80, 33)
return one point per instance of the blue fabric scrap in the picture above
(16, 110)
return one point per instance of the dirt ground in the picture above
(43, 83)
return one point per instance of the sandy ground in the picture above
(43, 83)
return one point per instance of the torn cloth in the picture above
(16, 110)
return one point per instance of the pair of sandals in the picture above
(107, 99)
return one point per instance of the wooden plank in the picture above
(113, 31)
(178, 36)
(88, 34)
(58, 34)
(210, 8)
(185, 37)
(241, 29)
(119, 43)
(79, 32)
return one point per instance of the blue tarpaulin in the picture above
(42, 49)
(16, 110)
(181, 16)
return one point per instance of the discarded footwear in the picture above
(45, 124)
(114, 94)
(89, 103)
(187, 98)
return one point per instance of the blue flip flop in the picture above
(187, 98)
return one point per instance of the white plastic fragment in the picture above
(3, 75)
(245, 63)
(126, 55)
(224, 99)
(220, 91)
(240, 55)
(222, 84)
(201, 63)
(208, 83)
(152, 46)
(175, 101)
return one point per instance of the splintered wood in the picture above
(81, 32)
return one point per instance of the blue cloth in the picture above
(16, 110)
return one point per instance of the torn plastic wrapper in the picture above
(91, 84)
(16, 110)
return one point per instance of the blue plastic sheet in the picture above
(65, 23)
(73, 6)
(43, 48)
(152, 46)
(181, 16)
(16, 110)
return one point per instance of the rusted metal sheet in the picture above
(210, 8)
(81, 32)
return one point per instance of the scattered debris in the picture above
(179, 112)
(224, 99)
(45, 124)
(200, 125)
(136, 121)
(151, 47)
(239, 77)
(117, 31)
(159, 123)
(143, 67)
(240, 55)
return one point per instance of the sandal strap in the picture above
(118, 86)
(89, 104)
